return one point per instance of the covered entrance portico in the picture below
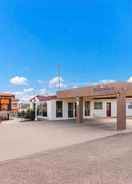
(117, 93)
(121, 111)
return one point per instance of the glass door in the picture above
(108, 109)
(70, 110)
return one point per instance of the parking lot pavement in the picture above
(103, 161)
(18, 139)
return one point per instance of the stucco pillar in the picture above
(79, 117)
(121, 111)
(36, 111)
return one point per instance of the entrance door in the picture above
(87, 108)
(75, 113)
(108, 109)
(70, 110)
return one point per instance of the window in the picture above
(98, 105)
(59, 109)
(70, 110)
(75, 109)
(42, 110)
(45, 110)
(130, 106)
(87, 108)
(34, 106)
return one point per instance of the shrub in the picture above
(29, 114)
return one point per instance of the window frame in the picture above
(41, 111)
(130, 105)
(96, 107)
(70, 110)
(59, 110)
(87, 108)
(45, 113)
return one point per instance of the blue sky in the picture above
(92, 40)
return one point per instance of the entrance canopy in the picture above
(119, 90)
(101, 90)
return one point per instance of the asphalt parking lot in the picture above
(18, 139)
(104, 161)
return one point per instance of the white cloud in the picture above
(75, 86)
(57, 82)
(26, 94)
(40, 81)
(29, 90)
(23, 96)
(18, 81)
(42, 91)
(107, 81)
(130, 79)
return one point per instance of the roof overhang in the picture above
(99, 91)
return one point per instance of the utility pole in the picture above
(59, 75)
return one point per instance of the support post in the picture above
(79, 117)
(36, 111)
(121, 111)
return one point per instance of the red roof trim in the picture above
(44, 98)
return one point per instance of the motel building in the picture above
(112, 100)
(8, 105)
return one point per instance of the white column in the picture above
(36, 111)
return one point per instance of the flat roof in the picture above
(7, 94)
(109, 89)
